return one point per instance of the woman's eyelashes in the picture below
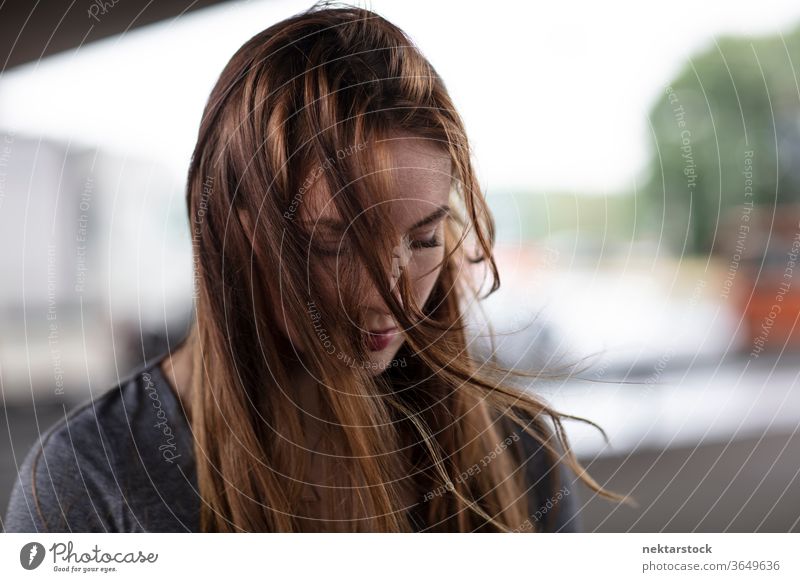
(330, 250)
(341, 247)
(428, 242)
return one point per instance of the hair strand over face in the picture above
(289, 102)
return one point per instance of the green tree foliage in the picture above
(733, 108)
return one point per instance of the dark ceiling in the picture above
(32, 29)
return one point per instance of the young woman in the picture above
(328, 383)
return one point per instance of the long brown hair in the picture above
(313, 100)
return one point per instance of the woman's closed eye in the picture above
(340, 247)
(330, 249)
(428, 241)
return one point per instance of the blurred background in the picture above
(642, 161)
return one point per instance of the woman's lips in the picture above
(377, 340)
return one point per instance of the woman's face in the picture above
(418, 208)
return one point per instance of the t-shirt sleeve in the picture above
(563, 503)
(552, 497)
(64, 485)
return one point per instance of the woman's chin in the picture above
(382, 360)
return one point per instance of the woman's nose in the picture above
(398, 263)
(401, 256)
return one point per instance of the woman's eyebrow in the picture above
(432, 217)
(335, 226)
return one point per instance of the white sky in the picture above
(555, 95)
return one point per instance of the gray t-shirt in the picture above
(124, 462)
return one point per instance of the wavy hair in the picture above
(314, 100)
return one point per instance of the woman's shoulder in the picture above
(120, 462)
(552, 496)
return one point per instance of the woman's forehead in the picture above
(420, 174)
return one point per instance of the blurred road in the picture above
(749, 485)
